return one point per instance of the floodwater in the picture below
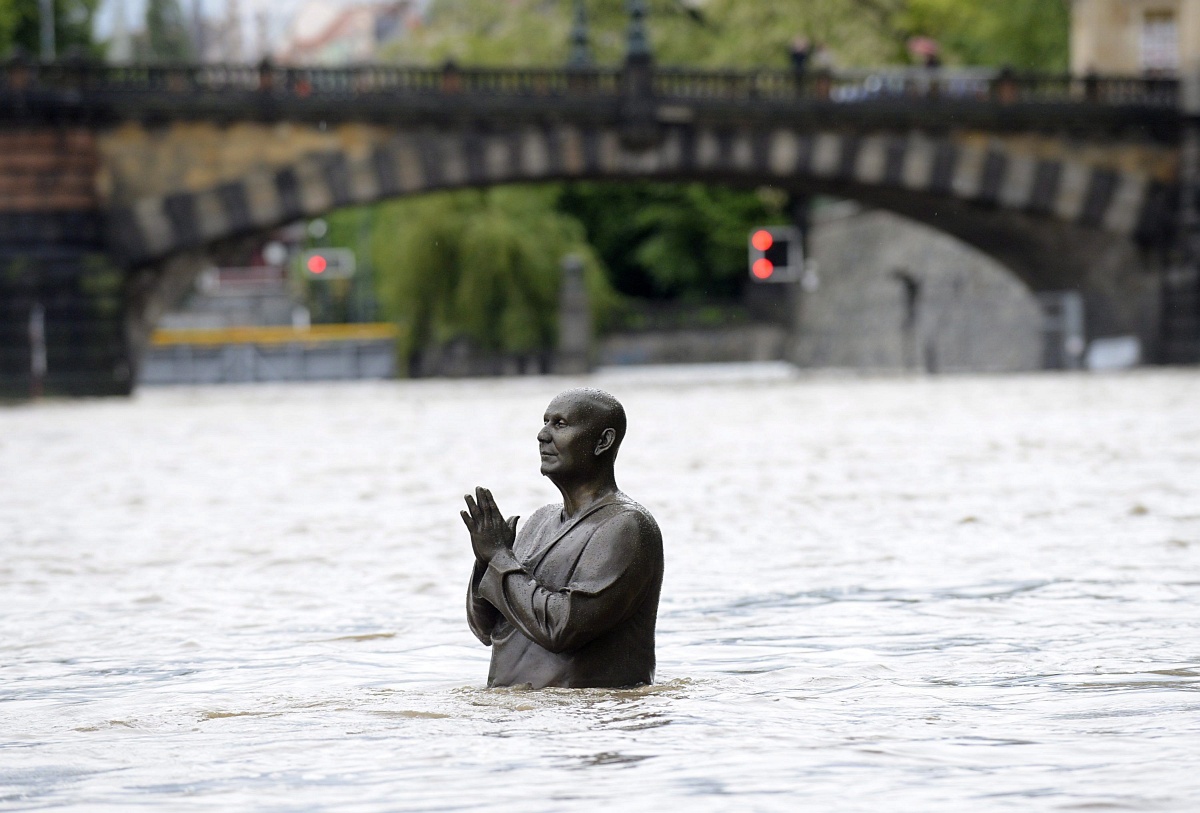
(898, 594)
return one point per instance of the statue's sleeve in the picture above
(618, 565)
(481, 614)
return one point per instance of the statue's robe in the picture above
(575, 602)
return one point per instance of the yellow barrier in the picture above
(317, 334)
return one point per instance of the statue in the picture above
(571, 600)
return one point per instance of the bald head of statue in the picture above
(581, 433)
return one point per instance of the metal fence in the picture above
(79, 80)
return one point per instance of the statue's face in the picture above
(567, 442)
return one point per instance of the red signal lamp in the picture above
(762, 268)
(762, 240)
(776, 254)
(328, 263)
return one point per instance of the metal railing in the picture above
(81, 80)
(962, 84)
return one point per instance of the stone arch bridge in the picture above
(115, 182)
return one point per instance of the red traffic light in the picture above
(328, 263)
(776, 254)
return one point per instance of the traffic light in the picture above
(329, 263)
(776, 254)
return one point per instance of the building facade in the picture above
(1135, 37)
(325, 34)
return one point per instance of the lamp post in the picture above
(580, 54)
(638, 43)
(46, 29)
(640, 129)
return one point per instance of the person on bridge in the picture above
(572, 600)
(926, 51)
(799, 53)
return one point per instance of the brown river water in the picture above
(889, 594)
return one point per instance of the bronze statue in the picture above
(571, 600)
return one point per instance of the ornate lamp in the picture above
(638, 42)
(581, 54)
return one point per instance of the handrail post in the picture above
(266, 76)
(1004, 86)
(451, 77)
(18, 71)
(823, 84)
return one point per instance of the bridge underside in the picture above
(1118, 277)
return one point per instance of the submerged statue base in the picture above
(572, 600)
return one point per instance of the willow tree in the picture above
(484, 265)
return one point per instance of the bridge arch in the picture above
(1124, 204)
(1056, 222)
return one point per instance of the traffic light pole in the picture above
(574, 352)
(800, 209)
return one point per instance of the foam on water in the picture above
(881, 594)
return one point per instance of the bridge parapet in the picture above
(999, 98)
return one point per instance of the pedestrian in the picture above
(926, 51)
(800, 51)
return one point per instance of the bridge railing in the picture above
(851, 86)
(302, 82)
(78, 79)
(843, 86)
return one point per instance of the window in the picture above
(1160, 43)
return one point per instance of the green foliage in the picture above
(485, 265)
(1026, 34)
(20, 26)
(166, 33)
(10, 19)
(1029, 34)
(670, 240)
(744, 34)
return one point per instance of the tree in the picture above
(20, 26)
(166, 33)
(480, 264)
(1030, 34)
(1026, 34)
(672, 241)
